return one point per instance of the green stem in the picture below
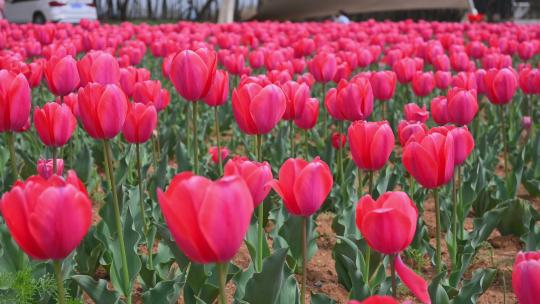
(324, 114)
(12, 155)
(304, 259)
(384, 110)
(141, 205)
(222, 269)
(291, 134)
(195, 140)
(411, 185)
(393, 273)
(57, 265)
(188, 126)
(360, 184)
(216, 122)
(370, 174)
(260, 214)
(460, 200)
(306, 143)
(438, 266)
(367, 261)
(340, 157)
(505, 144)
(454, 216)
(117, 220)
(53, 152)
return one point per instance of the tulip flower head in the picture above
(214, 156)
(387, 224)
(431, 160)
(207, 219)
(45, 167)
(103, 110)
(14, 102)
(47, 218)
(414, 112)
(371, 144)
(256, 175)
(258, 109)
(526, 277)
(192, 73)
(54, 124)
(303, 186)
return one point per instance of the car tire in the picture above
(38, 18)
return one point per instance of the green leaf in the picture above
(291, 231)
(12, 258)
(264, 287)
(317, 298)
(97, 290)
(165, 291)
(88, 253)
(471, 290)
(516, 219)
(436, 291)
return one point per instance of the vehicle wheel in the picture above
(38, 18)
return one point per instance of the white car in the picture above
(41, 11)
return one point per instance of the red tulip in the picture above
(323, 67)
(526, 50)
(219, 90)
(526, 277)
(442, 79)
(411, 131)
(54, 124)
(45, 167)
(351, 100)
(416, 284)
(296, 94)
(371, 144)
(389, 223)
(462, 105)
(62, 75)
(207, 219)
(529, 81)
(150, 92)
(213, 151)
(431, 160)
(47, 218)
(459, 61)
(256, 175)
(405, 69)
(463, 144)
(258, 109)
(500, 85)
(413, 112)
(343, 71)
(338, 140)
(526, 122)
(103, 110)
(141, 120)
(383, 84)
(303, 186)
(35, 73)
(100, 67)
(423, 83)
(127, 80)
(465, 81)
(439, 110)
(441, 63)
(14, 102)
(256, 59)
(192, 73)
(306, 114)
(480, 83)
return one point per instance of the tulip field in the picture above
(265, 162)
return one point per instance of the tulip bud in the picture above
(45, 167)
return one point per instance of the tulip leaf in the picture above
(436, 292)
(471, 290)
(289, 290)
(517, 218)
(97, 290)
(317, 298)
(291, 232)
(252, 241)
(165, 291)
(265, 287)
(88, 253)
(12, 258)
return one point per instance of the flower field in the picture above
(265, 162)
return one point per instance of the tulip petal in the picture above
(386, 230)
(267, 108)
(312, 186)
(416, 284)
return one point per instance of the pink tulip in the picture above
(303, 186)
(256, 175)
(371, 144)
(413, 112)
(526, 277)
